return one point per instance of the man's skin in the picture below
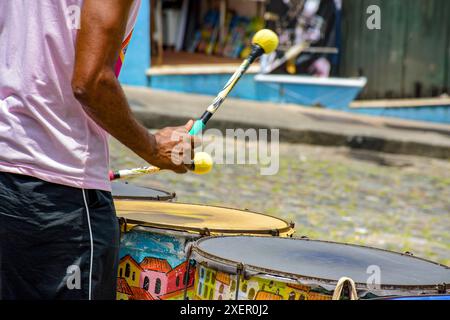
(96, 87)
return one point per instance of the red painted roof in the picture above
(123, 287)
(264, 295)
(173, 294)
(140, 294)
(299, 287)
(130, 258)
(182, 267)
(223, 277)
(318, 296)
(155, 264)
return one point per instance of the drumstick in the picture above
(202, 164)
(264, 41)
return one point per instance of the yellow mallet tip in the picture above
(203, 163)
(266, 39)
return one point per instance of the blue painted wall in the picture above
(137, 59)
(438, 114)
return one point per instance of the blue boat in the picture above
(334, 93)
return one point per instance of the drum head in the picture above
(330, 261)
(199, 218)
(123, 190)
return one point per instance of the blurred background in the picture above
(363, 111)
(183, 44)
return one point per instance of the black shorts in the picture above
(56, 242)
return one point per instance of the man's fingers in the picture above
(195, 141)
(181, 147)
(192, 147)
(188, 126)
(181, 170)
(190, 166)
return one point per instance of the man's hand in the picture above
(174, 148)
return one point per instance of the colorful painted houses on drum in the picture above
(152, 278)
(216, 285)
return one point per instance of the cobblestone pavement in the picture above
(400, 203)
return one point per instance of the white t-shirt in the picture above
(44, 131)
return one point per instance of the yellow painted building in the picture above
(216, 285)
(130, 270)
(205, 284)
(223, 286)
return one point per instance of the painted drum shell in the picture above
(157, 237)
(268, 263)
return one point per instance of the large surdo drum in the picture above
(258, 268)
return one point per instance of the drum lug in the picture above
(442, 288)
(345, 284)
(240, 272)
(188, 270)
(205, 232)
(123, 225)
(292, 224)
(275, 233)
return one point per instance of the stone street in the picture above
(395, 202)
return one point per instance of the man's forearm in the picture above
(105, 102)
(94, 83)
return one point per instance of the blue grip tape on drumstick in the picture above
(197, 128)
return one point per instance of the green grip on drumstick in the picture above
(203, 162)
(197, 128)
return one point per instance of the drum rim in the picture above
(299, 277)
(156, 199)
(412, 296)
(289, 228)
(169, 195)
